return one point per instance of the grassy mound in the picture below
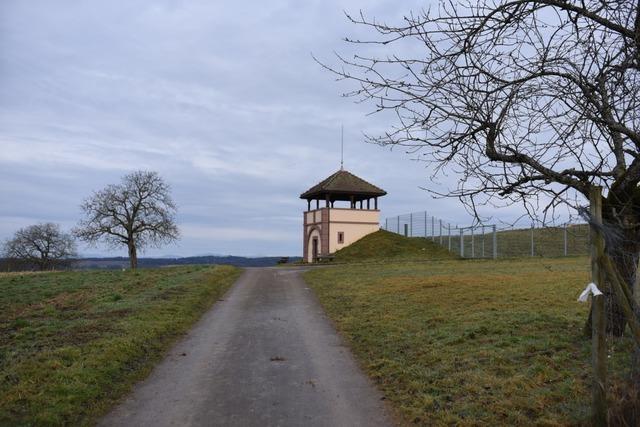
(386, 245)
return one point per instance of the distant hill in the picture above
(384, 245)
(122, 262)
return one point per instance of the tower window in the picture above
(340, 237)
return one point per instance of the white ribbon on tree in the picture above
(590, 289)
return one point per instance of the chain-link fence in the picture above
(491, 241)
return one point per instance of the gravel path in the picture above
(266, 355)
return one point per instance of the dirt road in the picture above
(264, 356)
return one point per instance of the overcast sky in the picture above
(223, 99)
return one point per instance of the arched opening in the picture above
(314, 245)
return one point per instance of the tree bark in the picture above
(133, 255)
(620, 221)
(616, 320)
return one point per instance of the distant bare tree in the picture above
(42, 245)
(534, 101)
(136, 213)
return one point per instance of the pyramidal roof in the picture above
(343, 183)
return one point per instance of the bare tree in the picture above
(42, 245)
(136, 213)
(528, 101)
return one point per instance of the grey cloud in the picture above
(221, 98)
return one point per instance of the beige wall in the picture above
(354, 223)
(348, 215)
(352, 232)
(354, 215)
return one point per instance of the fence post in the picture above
(411, 225)
(425, 224)
(433, 226)
(599, 361)
(495, 243)
(398, 224)
(483, 241)
(473, 245)
(449, 233)
(532, 248)
(440, 231)
(598, 320)
(386, 224)
(566, 241)
(461, 243)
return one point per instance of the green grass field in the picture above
(73, 343)
(547, 242)
(469, 342)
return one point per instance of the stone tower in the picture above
(330, 228)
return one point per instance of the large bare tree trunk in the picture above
(635, 360)
(133, 255)
(620, 227)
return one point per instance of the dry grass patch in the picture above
(72, 343)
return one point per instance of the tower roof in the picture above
(341, 186)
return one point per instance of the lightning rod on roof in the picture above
(341, 146)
